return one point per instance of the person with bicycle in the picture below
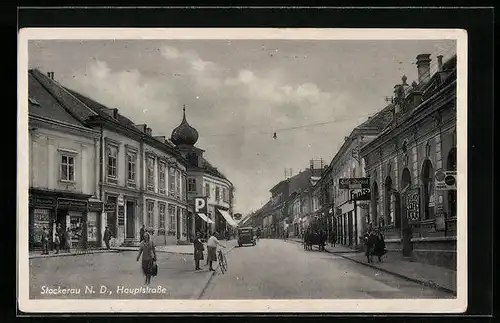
(212, 244)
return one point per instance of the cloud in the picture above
(247, 105)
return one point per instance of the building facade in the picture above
(63, 160)
(204, 180)
(418, 220)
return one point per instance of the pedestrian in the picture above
(198, 251)
(141, 232)
(212, 244)
(147, 249)
(67, 240)
(107, 236)
(379, 249)
(60, 237)
(45, 241)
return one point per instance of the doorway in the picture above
(130, 219)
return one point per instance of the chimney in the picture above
(149, 131)
(115, 113)
(50, 75)
(440, 63)
(424, 67)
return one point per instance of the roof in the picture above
(43, 104)
(208, 168)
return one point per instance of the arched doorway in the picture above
(427, 179)
(451, 165)
(375, 201)
(388, 207)
(402, 217)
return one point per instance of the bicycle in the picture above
(222, 261)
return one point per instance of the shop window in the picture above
(131, 168)
(161, 174)
(112, 155)
(67, 168)
(41, 219)
(191, 184)
(150, 174)
(92, 230)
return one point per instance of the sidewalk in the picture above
(73, 252)
(394, 263)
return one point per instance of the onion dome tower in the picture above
(184, 134)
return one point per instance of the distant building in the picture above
(205, 180)
(417, 220)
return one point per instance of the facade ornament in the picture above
(414, 84)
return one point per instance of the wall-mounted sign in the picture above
(71, 204)
(95, 206)
(237, 216)
(445, 180)
(200, 205)
(121, 215)
(360, 195)
(413, 204)
(121, 201)
(109, 207)
(354, 183)
(42, 201)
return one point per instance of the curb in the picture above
(71, 254)
(414, 280)
(158, 251)
(198, 294)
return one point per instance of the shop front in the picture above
(62, 212)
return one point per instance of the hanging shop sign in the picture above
(354, 183)
(360, 195)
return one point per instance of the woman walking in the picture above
(379, 249)
(147, 249)
(198, 251)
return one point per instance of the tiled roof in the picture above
(207, 167)
(75, 107)
(42, 103)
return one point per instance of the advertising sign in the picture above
(121, 215)
(446, 180)
(413, 204)
(200, 205)
(354, 183)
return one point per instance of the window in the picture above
(171, 181)
(225, 196)
(177, 183)
(112, 155)
(191, 185)
(150, 210)
(67, 168)
(427, 179)
(161, 174)
(207, 189)
(161, 224)
(183, 188)
(131, 168)
(150, 173)
(217, 193)
(389, 200)
(171, 214)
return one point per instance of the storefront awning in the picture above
(228, 218)
(205, 218)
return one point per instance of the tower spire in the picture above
(184, 111)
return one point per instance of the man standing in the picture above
(45, 241)
(107, 237)
(212, 244)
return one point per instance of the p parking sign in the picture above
(200, 205)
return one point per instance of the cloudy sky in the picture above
(239, 92)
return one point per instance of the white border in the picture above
(233, 306)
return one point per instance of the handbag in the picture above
(154, 269)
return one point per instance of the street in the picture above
(275, 269)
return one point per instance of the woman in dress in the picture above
(147, 249)
(198, 251)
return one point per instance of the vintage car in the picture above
(246, 236)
